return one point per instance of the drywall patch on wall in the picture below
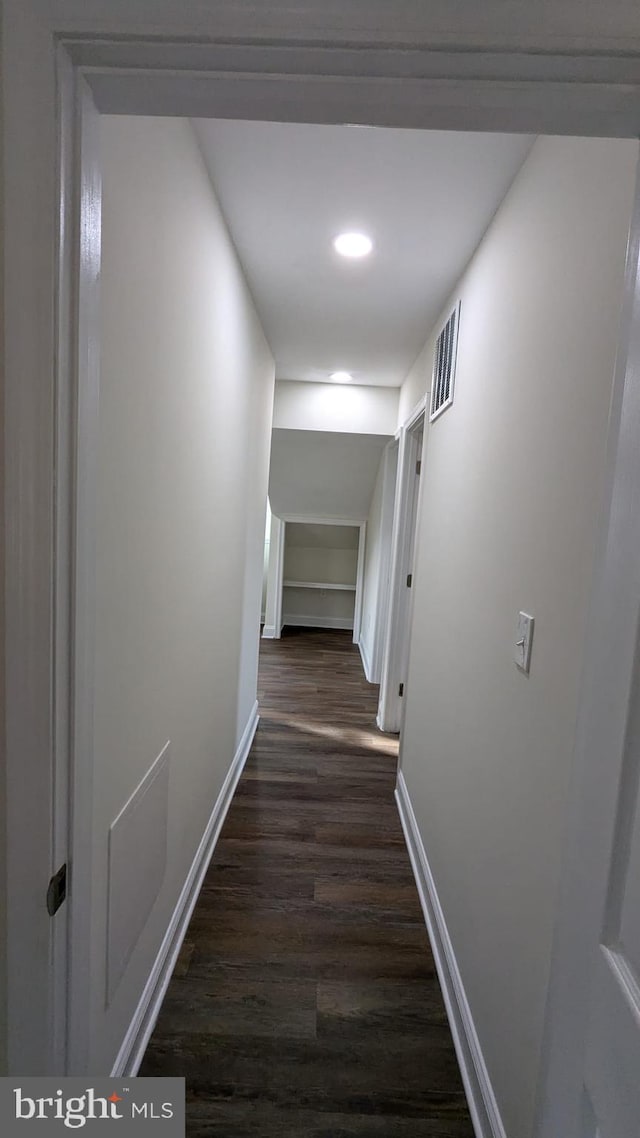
(137, 864)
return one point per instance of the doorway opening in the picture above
(37, 204)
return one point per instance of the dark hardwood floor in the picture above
(305, 1001)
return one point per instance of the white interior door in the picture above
(612, 1053)
(590, 1075)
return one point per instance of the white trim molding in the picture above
(420, 410)
(357, 608)
(144, 1018)
(406, 520)
(323, 520)
(365, 660)
(273, 604)
(391, 453)
(483, 1106)
(340, 622)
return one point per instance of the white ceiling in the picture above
(426, 198)
(323, 474)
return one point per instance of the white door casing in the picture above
(354, 523)
(384, 573)
(339, 63)
(273, 608)
(415, 498)
(405, 520)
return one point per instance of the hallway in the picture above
(305, 1001)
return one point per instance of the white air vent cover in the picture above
(444, 365)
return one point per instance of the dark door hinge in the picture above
(57, 891)
(401, 689)
(418, 466)
(409, 580)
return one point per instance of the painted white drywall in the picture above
(513, 479)
(416, 383)
(335, 407)
(187, 383)
(318, 474)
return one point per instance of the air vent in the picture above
(444, 366)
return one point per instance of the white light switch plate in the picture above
(524, 636)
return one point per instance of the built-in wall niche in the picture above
(322, 567)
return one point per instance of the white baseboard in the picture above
(318, 622)
(477, 1084)
(145, 1016)
(269, 632)
(365, 661)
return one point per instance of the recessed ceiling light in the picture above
(353, 244)
(341, 376)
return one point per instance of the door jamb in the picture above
(273, 604)
(384, 576)
(353, 523)
(85, 396)
(390, 704)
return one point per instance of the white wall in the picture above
(513, 478)
(187, 381)
(416, 383)
(335, 407)
(322, 474)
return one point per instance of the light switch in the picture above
(524, 636)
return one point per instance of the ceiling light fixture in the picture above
(353, 244)
(341, 376)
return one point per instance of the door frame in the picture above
(391, 703)
(389, 479)
(235, 60)
(273, 607)
(354, 523)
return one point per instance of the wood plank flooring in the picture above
(305, 1001)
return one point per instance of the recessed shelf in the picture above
(318, 585)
